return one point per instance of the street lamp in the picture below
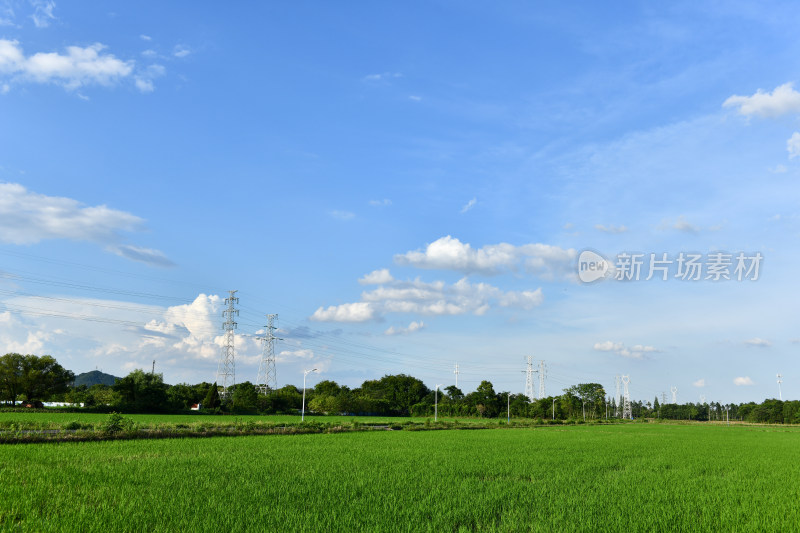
(305, 373)
(436, 404)
(554, 407)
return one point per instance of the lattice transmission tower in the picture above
(226, 371)
(626, 406)
(780, 380)
(674, 391)
(267, 379)
(529, 379)
(617, 397)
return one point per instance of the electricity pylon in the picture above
(226, 371)
(674, 391)
(626, 409)
(542, 372)
(617, 397)
(267, 380)
(456, 373)
(780, 380)
(529, 379)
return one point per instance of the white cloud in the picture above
(412, 327)
(342, 215)
(352, 312)
(681, 224)
(181, 50)
(6, 14)
(28, 218)
(149, 53)
(145, 37)
(742, 381)
(379, 203)
(634, 352)
(610, 228)
(377, 277)
(699, 383)
(781, 169)
(783, 100)
(144, 79)
(43, 12)
(793, 145)
(79, 67)
(469, 205)
(758, 342)
(449, 253)
(428, 298)
(292, 356)
(415, 98)
(383, 77)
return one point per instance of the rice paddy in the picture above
(575, 478)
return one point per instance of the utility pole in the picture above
(508, 407)
(154, 368)
(267, 379)
(529, 379)
(456, 373)
(226, 371)
(780, 380)
(626, 408)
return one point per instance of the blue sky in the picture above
(408, 185)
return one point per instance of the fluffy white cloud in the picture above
(76, 68)
(414, 326)
(610, 228)
(428, 298)
(783, 100)
(181, 50)
(352, 312)
(27, 218)
(742, 381)
(383, 77)
(793, 146)
(377, 277)
(758, 342)
(449, 253)
(634, 352)
(699, 383)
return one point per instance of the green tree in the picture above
(212, 400)
(142, 391)
(485, 400)
(245, 397)
(36, 378)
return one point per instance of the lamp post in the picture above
(508, 408)
(436, 404)
(303, 412)
(554, 407)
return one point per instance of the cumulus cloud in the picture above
(699, 383)
(28, 218)
(783, 100)
(352, 312)
(377, 277)
(181, 50)
(449, 253)
(428, 298)
(634, 352)
(758, 342)
(742, 381)
(76, 68)
(144, 79)
(469, 205)
(793, 146)
(380, 203)
(610, 228)
(412, 327)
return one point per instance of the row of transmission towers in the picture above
(267, 379)
(622, 404)
(529, 372)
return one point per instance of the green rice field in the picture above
(628, 477)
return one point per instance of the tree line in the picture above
(30, 378)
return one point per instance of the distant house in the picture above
(35, 404)
(196, 406)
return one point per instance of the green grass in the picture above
(578, 478)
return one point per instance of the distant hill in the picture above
(93, 378)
